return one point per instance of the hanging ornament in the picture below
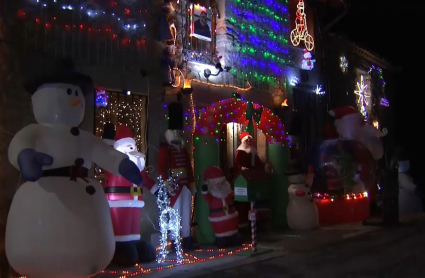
(101, 99)
(300, 33)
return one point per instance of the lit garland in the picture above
(122, 109)
(239, 89)
(272, 40)
(383, 101)
(169, 220)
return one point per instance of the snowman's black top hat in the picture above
(175, 116)
(64, 73)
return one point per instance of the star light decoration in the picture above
(169, 219)
(319, 90)
(362, 101)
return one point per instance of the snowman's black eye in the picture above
(76, 93)
(69, 91)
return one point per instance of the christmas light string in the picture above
(239, 89)
(126, 22)
(169, 219)
(352, 196)
(383, 101)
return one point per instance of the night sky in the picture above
(391, 30)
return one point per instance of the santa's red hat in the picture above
(341, 112)
(123, 135)
(244, 135)
(212, 172)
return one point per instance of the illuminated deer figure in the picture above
(169, 220)
(300, 32)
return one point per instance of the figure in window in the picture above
(201, 26)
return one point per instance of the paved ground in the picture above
(387, 253)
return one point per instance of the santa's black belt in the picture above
(65, 172)
(121, 189)
(221, 209)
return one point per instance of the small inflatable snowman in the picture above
(301, 212)
(59, 224)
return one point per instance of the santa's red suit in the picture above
(247, 158)
(126, 199)
(175, 160)
(219, 195)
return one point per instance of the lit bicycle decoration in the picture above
(300, 33)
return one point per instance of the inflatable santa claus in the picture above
(223, 215)
(247, 158)
(174, 160)
(350, 124)
(126, 202)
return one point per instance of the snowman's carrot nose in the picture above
(75, 102)
(299, 193)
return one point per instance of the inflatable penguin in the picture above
(301, 212)
(59, 223)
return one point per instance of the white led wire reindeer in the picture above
(169, 220)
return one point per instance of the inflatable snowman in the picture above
(59, 225)
(301, 212)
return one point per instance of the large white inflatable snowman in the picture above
(59, 225)
(301, 212)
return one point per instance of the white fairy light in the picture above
(169, 220)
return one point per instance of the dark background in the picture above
(396, 32)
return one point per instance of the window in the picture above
(201, 28)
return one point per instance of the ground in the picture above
(392, 252)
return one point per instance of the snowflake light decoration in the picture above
(343, 64)
(362, 101)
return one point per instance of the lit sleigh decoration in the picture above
(169, 219)
(300, 33)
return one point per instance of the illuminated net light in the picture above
(300, 32)
(363, 96)
(261, 50)
(169, 219)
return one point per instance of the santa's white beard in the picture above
(221, 193)
(247, 148)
